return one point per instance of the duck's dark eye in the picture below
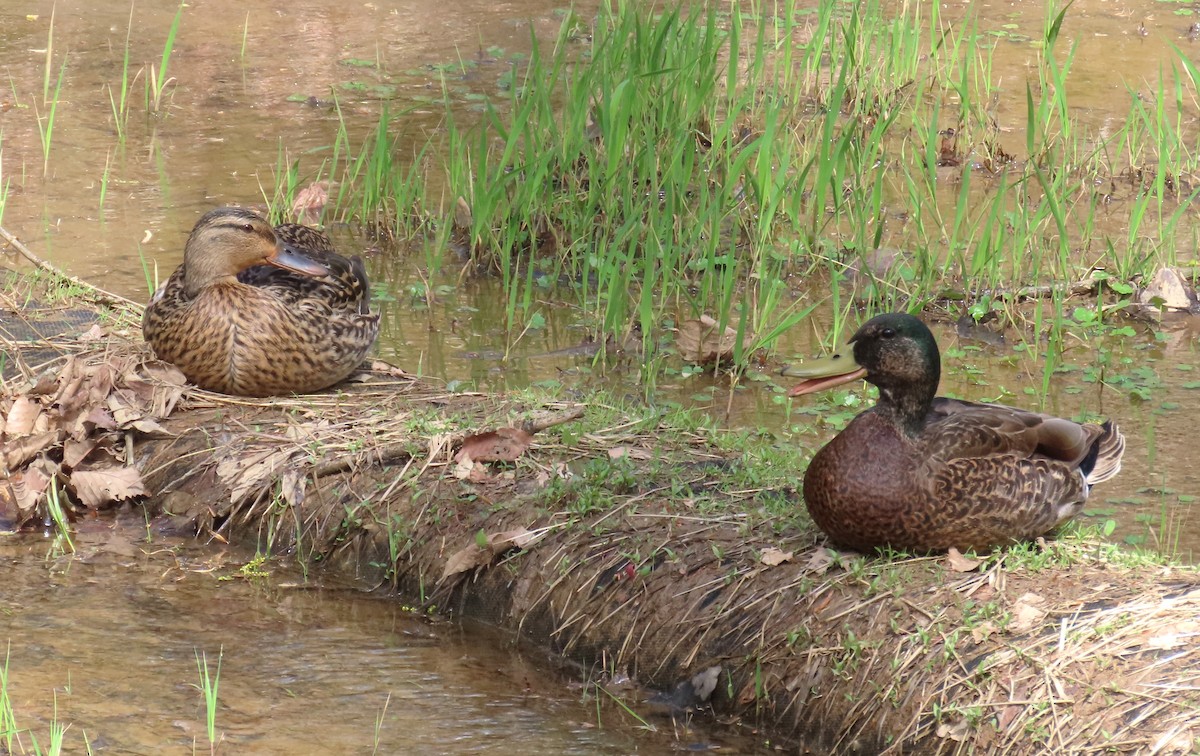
(248, 227)
(887, 333)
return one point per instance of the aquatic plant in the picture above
(666, 166)
(157, 79)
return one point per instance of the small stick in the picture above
(105, 296)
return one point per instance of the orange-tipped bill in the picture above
(824, 373)
(289, 259)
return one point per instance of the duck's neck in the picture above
(905, 398)
(906, 408)
(203, 266)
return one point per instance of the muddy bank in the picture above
(624, 544)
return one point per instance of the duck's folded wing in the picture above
(959, 429)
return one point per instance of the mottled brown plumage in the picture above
(925, 473)
(260, 311)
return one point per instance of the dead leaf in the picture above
(1168, 290)
(956, 731)
(95, 333)
(1025, 614)
(101, 418)
(500, 445)
(476, 555)
(959, 563)
(164, 372)
(309, 203)
(28, 487)
(150, 427)
(98, 487)
(699, 342)
(21, 417)
(981, 631)
(772, 556)
(820, 561)
(632, 452)
(18, 451)
(75, 452)
(464, 468)
(248, 474)
(466, 559)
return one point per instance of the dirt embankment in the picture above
(627, 547)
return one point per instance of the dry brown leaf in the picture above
(95, 333)
(123, 411)
(98, 487)
(101, 418)
(21, 417)
(75, 451)
(150, 427)
(166, 373)
(18, 451)
(959, 563)
(630, 451)
(46, 384)
(293, 485)
(1025, 614)
(956, 731)
(500, 445)
(699, 342)
(772, 556)
(245, 475)
(466, 559)
(1006, 716)
(981, 631)
(820, 561)
(464, 469)
(28, 486)
(497, 543)
(309, 203)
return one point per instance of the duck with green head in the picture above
(261, 311)
(921, 472)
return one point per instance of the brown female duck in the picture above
(259, 311)
(926, 473)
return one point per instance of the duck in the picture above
(923, 473)
(256, 310)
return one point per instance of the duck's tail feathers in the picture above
(1104, 460)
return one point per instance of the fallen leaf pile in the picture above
(72, 426)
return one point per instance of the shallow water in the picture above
(107, 641)
(310, 671)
